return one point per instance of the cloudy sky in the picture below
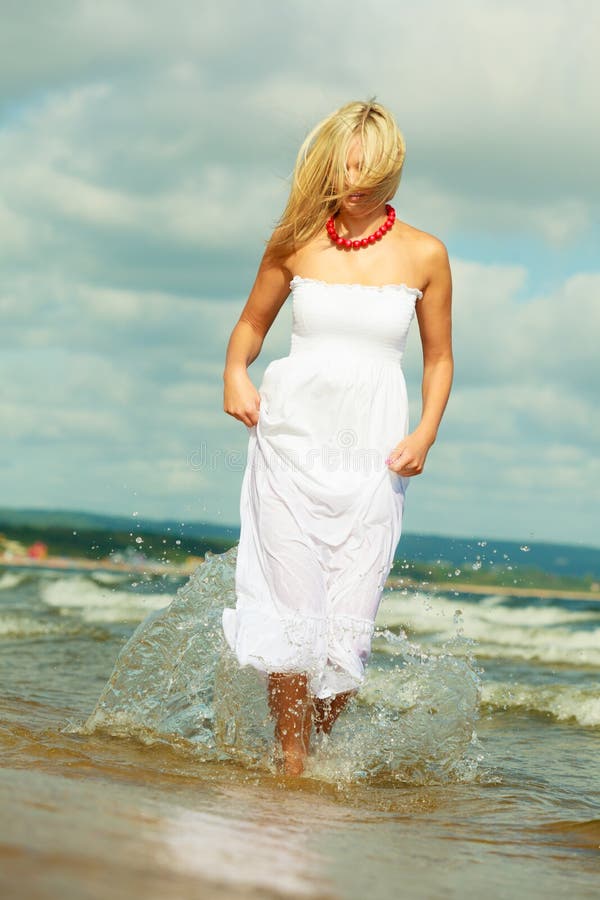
(145, 152)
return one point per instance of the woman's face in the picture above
(360, 200)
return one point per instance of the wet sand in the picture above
(105, 817)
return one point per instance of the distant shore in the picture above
(99, 565)
(393, 583)
(445, 587)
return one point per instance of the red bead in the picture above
(348, 244)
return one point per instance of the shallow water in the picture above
(460, 769)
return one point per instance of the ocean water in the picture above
(137, 757)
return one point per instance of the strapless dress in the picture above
(320, 510)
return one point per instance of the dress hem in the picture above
(330, 650)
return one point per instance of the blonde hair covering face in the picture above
(320, 178)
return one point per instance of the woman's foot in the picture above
(291, 707)
(294, 758)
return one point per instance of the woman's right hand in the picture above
(240, 398)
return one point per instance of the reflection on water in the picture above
(267, 853)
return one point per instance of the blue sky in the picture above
(145, 155)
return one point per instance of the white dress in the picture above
(321, 512)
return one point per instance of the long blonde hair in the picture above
(319, 180)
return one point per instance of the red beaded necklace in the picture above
(363, 242)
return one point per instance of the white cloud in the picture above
(143, 161)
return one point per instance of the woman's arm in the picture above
(271, 287)
(435, 326)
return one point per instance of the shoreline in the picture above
(445, 587)
(393, 582)
(74, 563)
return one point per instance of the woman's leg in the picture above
(291, 706)
(326, 711)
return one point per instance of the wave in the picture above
(498, 627)
(564, 702)
(111, 577)
(18, 626)
(176, 681)
(10, 580)
(95, 603)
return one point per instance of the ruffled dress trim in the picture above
(332, 651)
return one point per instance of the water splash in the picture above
(177, 681)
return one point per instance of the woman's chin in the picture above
(358, 205)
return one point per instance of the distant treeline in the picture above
(99, 544)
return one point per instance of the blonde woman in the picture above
(330, 454)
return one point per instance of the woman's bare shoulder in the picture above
(428, 244)
(274, 255)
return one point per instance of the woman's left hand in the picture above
(408, 457)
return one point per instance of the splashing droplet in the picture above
(175, 680)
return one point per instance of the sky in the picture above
(145, 156)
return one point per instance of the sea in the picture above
(137, 758)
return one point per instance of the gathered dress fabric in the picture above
(320, 510)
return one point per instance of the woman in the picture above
(330, 454)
